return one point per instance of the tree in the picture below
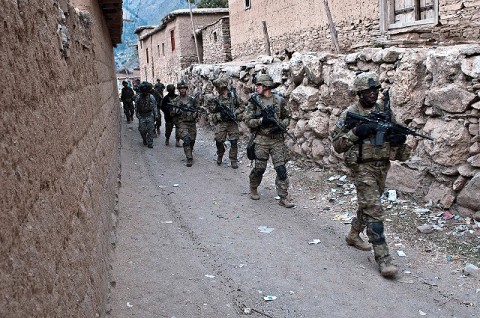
(210, 3)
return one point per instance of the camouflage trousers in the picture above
(188, 133)
(129, 110)
(146, 126)
(224, 130)
(276, 149)
(369, 179)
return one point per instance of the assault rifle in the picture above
(383, 126)
(227, 112)
(186, 108)
(271, 114)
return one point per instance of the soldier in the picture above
(145, 110)
(169, 120)
(224, 115)
(187, 119)
(369, 165)
(269, 139)
(158, 116)
(159, 87)
(127, 100)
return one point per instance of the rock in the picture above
(232, 70)
(426, 228)
(469, 197)
(440, 193)
(470, 270)
(319, 124)
(466, 170)
(459, 183)
(391, 55)
(265, 59)
(306, 97)
(474, 148)
(403, 179)
(297, 68)
(474, 161)
(351, 58)
(451, 142)
(313, 69)
(443, 64)
(451, 98)
(471, 66)
(318, 149)
(476, 216)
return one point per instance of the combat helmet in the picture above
(145, 87)
(171, 88)
(182, 84)
(365, 81)
(220, 82)
(265, 80)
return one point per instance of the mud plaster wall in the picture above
(216, 42)
(59, 144)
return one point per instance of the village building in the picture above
(304, 25)
(168, 48)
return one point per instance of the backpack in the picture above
(144, 104)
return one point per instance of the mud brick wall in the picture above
(59, 144)
(216, 42)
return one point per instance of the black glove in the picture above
(364, 131)
(268, 118)
(396, 140)
(218, 108)
(275, 130)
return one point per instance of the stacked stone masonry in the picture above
(59, 144)
(434, 91)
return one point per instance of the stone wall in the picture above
(302, 26)
(434, 91)
(216, 42)
(59, 144)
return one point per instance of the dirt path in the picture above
(188, 245)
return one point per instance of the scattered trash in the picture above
(421, 211)
(210, 276)
(447, 215)
(277, 198)
(247, 311)
(167, 222)
(265, 229)
(449, 258)
(392, 195)
(422, 313)
(470, 269)
(176, 185)
(342, 178)
(401, 253)
(346, 217)
(314, 242)
(129, 305)
(269, 298)
(425, 228)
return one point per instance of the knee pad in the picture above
(375, 233)
(258, 172)
(281, 172)
(187, 141)
(233, 143)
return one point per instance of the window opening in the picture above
(172, 39)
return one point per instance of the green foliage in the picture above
(210, 3)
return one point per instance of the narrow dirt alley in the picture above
(189, 245)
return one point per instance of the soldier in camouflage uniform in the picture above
(369, 165)
(146, 110)
(127, 97)
(166, 113)
(187, 120)
(269, 139)
(224, 113)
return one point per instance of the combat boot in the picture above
(384, 261)
(177, 143)
(189, 162)
(353, 238)
(234, 164)
(167, 142)
(286, 203)
(254, 193)
(219, 160)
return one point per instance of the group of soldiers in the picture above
(267, 116)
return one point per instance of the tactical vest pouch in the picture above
(371, 152)
(400, 153)
(144, 105)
